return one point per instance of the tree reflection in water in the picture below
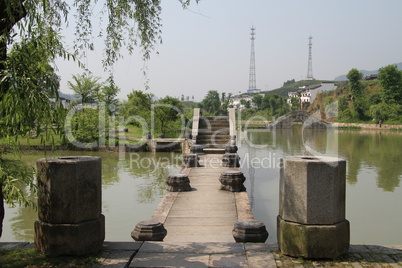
(132, 191)
(374, 149)
(373, 176)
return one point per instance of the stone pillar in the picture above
(149, 231)
(178, 183)
(197, 149)
(311, 221)
(231, 149)
(230, 160)
(232, 139)
(69, 206)
(187, 134)
(190, 160)
(250, 231)
(232, 180)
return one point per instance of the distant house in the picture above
(308, 93)
(253, 90)
(305, 96)
(292, 95)
(64, 102)
(371, 77)
(237, 99)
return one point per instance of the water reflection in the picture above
(378, 150)
(22, 226)
(132, 187)
(134, 184)
(153, 169)
(374, 172)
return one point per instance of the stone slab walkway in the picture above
(205, 214)
(184, 254)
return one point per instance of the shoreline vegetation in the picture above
(141, 146)
(361, 126)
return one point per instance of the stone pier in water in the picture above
(311, 221)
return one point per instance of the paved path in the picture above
(162, 254)
(205, 214)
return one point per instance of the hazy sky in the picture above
(208, 46)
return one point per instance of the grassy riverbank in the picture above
(31, 258)
(55, 140)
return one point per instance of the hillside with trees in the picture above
(365, 73)
(358, 100)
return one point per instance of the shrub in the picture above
(385, 111)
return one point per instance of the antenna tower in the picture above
(252, 83)
(310, 61)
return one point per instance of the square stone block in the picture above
(312, 190)
(313, 241)
(69, 189)
(70, 239)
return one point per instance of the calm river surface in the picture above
(134, 185)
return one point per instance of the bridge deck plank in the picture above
(206, 214)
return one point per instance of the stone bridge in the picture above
(309, 121)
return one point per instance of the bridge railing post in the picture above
(232, 125)
(196, 120)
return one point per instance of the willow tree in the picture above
(129, 24)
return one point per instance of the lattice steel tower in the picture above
(252, 83)
(310, 61)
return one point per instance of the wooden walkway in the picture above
(205, 214)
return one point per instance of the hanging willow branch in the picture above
(31, 31)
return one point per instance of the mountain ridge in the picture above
(365, 72)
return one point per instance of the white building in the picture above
(306, 96)
(237, 99)
(290, 96)
(253, 90)
(64, 102)
(309, 93)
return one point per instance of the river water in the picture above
(134, 183)
(374, 172)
